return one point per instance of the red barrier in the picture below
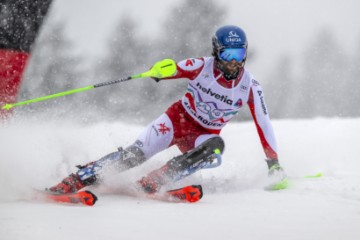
(12, 66)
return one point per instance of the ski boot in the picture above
(206, 155)
(70, 184)
(93, 172)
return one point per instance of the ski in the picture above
(286, 182)
(188, 194)
(280, 185)
(82, 197)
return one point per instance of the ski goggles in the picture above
(228, 54)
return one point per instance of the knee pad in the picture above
(215, 142)
(201, 152)
(211, 140)
(132, 156)
(198, 158)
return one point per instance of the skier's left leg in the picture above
(207, 153)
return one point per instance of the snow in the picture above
(235, 205)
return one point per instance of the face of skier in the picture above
(231, 60)
(231, 67)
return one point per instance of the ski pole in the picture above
(161, 69)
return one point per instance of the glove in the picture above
(277, 176)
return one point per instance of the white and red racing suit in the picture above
(208, 104)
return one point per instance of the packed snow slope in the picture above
(36, 155)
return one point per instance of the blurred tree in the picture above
(128, 55)
(52, 68)
(189, 28)
(281, 89)
(352, 87)
(187, 32)
(320, 89)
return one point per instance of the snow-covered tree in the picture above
(322, 81)
(127, 55)
(280, 89)
(186, 32)
(52, 68)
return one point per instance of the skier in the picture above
(218, 87)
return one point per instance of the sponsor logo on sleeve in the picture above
(255, 83)
(155, 130)
(262, 102)
(243, 88)
(191, 64)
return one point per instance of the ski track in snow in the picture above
(234, 206)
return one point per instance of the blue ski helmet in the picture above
(230, 37)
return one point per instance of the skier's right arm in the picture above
(189, 68)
